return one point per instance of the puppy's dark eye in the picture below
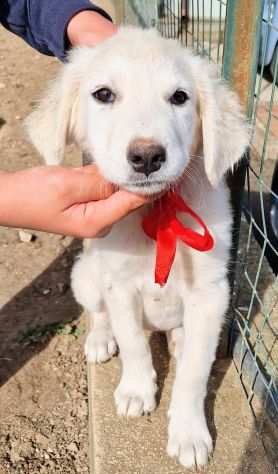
(179, 97)
(104, 95)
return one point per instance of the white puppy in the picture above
(150, 114)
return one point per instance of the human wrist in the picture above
(8, 191)
(19, 196)
(88, 28)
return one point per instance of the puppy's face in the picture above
(137, 103)
(139, 110)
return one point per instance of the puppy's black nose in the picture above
(146, 156)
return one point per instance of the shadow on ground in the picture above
(33, 316)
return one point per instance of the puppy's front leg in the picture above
(135, 393)
(189, 438)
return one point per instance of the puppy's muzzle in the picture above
(146, 156)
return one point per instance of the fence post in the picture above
(241, 50)
(241, 53)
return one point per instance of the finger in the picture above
(90, 185)
(104, 232)
(104, 213)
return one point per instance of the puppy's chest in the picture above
(126, 251)
(131, 256)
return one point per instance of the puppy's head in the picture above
(136, 104)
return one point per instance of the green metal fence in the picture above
(237, 34)
(254, 335)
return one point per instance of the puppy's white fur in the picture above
(113, 279)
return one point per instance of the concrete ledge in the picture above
(137, 446)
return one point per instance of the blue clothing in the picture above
(43, 23)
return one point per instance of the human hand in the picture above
(71, 201)
(89, 28)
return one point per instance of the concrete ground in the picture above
(137, 446)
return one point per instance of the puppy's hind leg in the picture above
(100, 344)
(175, 341)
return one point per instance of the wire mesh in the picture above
(141, 12)
(200, 25)
(254, 334)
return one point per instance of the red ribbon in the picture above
(162, 225)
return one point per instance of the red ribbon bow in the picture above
(162, 225)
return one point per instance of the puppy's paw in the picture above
(134, 397)
(100, 345)
(189, 440)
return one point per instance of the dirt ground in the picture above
(43, 393)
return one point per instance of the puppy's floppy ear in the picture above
(225, 130)
(55, 120)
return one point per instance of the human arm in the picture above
(80, 214)
(44, 24)
(69, 201)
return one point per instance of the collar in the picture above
(162, 225)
